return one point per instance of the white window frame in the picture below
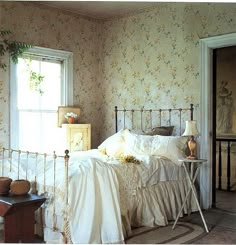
(67, 86)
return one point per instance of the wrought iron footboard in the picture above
(11, 161)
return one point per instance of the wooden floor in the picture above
(226, 201)
(221, 220)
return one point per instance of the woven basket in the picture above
(20, 187)
(5, 185)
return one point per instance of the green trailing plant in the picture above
(14, 48)
(36, 80)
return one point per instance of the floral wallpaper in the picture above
(148, 59)
(47, 27)
(152, 59)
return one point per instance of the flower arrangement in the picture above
(70, 114)
(129, 159)
(71, 117)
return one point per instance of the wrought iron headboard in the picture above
(142, 110)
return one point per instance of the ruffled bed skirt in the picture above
(153, 205)
(158, 204)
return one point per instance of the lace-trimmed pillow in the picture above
(114, 145)
(171, 147)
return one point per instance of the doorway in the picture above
(208, 136)
(224, 127)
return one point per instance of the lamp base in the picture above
(192, 146)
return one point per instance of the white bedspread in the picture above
(95, 215)
(101, 191)
(105, 191)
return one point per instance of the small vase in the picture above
(71, 120)
(20, 187)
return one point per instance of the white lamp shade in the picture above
(191, 128)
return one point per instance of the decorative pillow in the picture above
(171, 147)
(162, 130)
(138, 144)
(114, 145)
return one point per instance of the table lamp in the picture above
(191, 130)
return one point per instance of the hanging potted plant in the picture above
(14, 48)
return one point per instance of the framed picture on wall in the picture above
(65, 111)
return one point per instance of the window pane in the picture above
(38, 131)
(35, 101)
(51, 97)
(38, 108)
(27, 98)
(29, 130)
(29, 95)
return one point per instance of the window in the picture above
(34, 101)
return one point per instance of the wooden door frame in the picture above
(207, 146)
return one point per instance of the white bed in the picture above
(100, 199)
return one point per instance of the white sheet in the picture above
(95, 207)
(152, 169)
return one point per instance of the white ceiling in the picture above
(100, 9)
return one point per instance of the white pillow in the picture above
(138, 144)
(114, 145)
(171, 147)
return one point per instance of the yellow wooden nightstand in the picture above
(77, 136)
